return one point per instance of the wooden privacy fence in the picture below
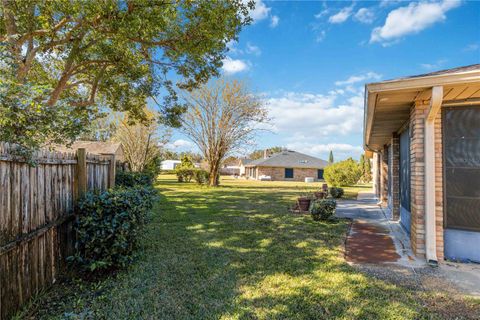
(36, 214)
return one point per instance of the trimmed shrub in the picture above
(343, 173)
(185, 171)
(107, 226)
(200, 176)
(131, 179)
(322, 209)
(336, 193)
(185, 174)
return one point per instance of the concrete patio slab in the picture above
(373, 238)
(381, 247)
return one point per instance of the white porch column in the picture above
(430, 219)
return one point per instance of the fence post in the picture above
(81, 171)
(111, 171)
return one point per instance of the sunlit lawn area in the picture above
(235, 252)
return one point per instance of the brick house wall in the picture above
(417, 184)
(278, 173)
(439, 187)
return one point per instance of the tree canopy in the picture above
(258, 154)
(77, 55)
(220, 119)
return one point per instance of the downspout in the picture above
(429, 145)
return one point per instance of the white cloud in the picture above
(340, 150)
(413, 18)
(365, 15)
(472, 47)
(321, 36)
(341, 16)
(260, 12)
(322, 13)
(274, 20)
(231, 66)
(359, 78)
(387, 3)
(315, 115)
(435, 65)
(180, 144)
(252, 49)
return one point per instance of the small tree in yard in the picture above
(343, 173)
(221, 118)
(142, 141)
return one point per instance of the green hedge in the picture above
(131, 179)
(107, 226)
(343, 173)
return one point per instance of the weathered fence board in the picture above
(36, 214)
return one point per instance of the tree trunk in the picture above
(213, 174)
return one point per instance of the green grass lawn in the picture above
(235, 252)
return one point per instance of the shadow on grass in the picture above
(236, 253)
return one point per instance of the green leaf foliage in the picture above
(322, 209)
(343, 173)
(131, 179)
(336, 192)
(70, 57)
(108, 225)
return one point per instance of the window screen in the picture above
(320, 174)
(288, 172)
(405, 170)
(461, 156)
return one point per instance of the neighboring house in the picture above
(286, 165)
(170, 164)
(424, 132)
(96, 147)
(241, 166)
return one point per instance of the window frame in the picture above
(444, 110)
(288, 170)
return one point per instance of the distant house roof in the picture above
(289, 159)
(245, 161)
(96, 147)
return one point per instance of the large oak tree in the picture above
(78, 55)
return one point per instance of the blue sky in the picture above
(311, 60)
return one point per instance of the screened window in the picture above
(288, 173)
(405, 170)
(461, 158)
(320, 174)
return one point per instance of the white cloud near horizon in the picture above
(359, 78)
(315, 115)
(341, 16)
(340, 150)
(411, 19)
(232, 66)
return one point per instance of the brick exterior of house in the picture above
(278, 173)
(417, 183)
